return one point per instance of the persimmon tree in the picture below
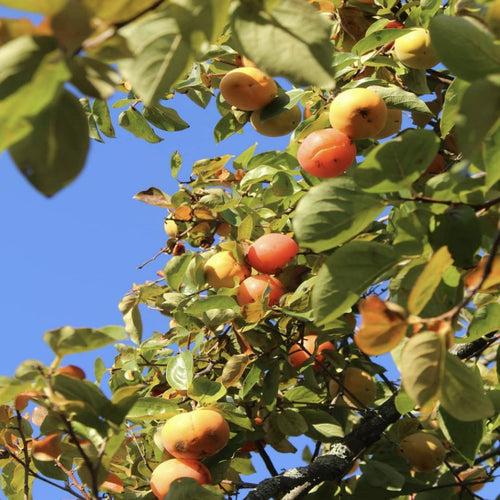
(288, 272)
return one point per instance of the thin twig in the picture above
(26, 456)
(475, 206)
(266, 458)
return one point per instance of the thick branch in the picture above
(334, 465)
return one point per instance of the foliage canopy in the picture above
(396, 254)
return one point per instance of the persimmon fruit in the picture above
(414, 49)
(277, 125)
(359, 387)
(392, 124)
(170, 470)
(359, 113)
(222, 270)
(71, 371)
(424, 451)
(301, 352)
(326, 153)
(254, 288)
(196, 434)
(271, 252)
(248, 88)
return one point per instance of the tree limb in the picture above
(333, 465)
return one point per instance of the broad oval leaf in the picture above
(332, 212)
(465, 46)
(206, 391)
(32, 71)
(396, 97)
(295, 31)
(346, 274)
(69, 340)
(429, 280)
(179, 371)
(422, 367)
(462, 392)
(396, 164)
(54, 153)
(149, 408)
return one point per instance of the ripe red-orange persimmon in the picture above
(272, 252)
(197, 434)
(170, 470)
(326, 153)
(301, 352)
(253, 289)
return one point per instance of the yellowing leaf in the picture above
(473, 278)
(234, 369)
(429, 280)
(183, 212)
(383, 326)
(422, 367)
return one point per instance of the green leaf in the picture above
(491, 157)
(179, 371)
(422, 366)
(485, 320)
(258, 175)
(164, 44)
(465, 436)
(428, 280)
(203, 305)
(103, 118)
(99, 369)
(291, 423)
(129, 307)
(32, 72)
(451, 105)
(322, 426)
(134, 122)
(252, 378)
(382, 475)
(404, 403)
(295, 31)
(346, 274)
(332, 213)
(459, 229)
(54, 153)
(149, 408)
(206, 391)
(164, 118)
(396, 164)
(175, 270)
(301, 394)
(478, 115)
(92, 77)
(175, 164)
(396, 97)
(462, 392)
(465, 46)
(227, 126)
(69, 340)
(188, 489)
(378, 38)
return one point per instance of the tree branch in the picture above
(478, 206)
(333, 465)
(34, 474)
(26, 456)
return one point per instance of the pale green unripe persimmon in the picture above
(280, 124)
(414, 49)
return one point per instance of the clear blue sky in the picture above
(68, 260)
